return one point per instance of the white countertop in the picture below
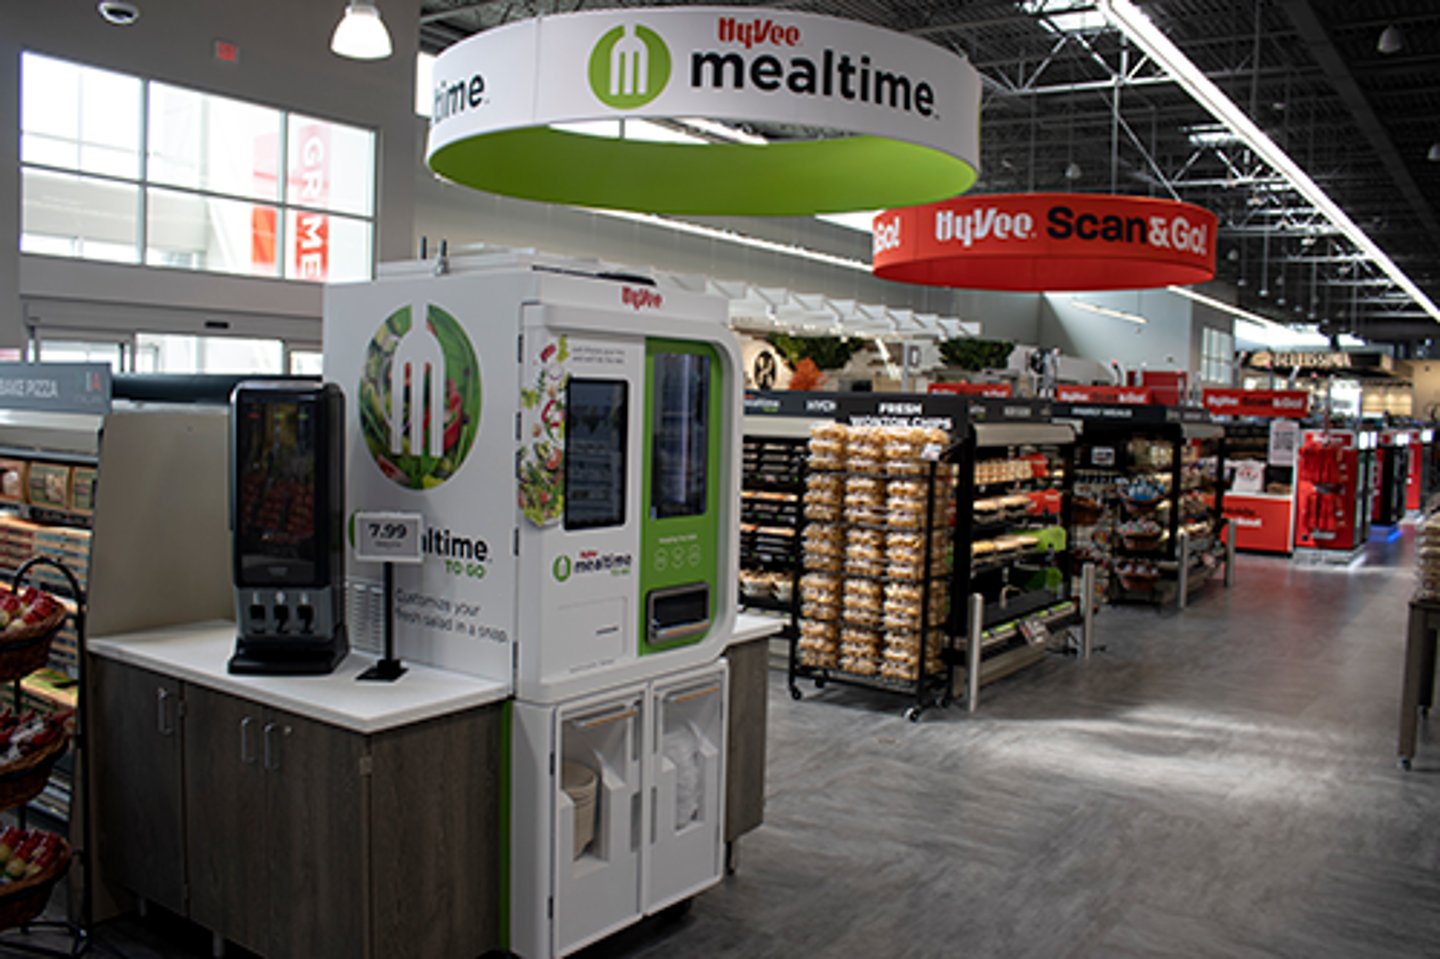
(749, 626)
(198, 653)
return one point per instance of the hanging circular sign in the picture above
(901, 114)
(1047, 241)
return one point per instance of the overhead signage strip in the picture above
(903, 112)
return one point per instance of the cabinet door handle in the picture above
(247, 751)
(162, 713)
(272, 758)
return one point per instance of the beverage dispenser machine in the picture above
(570, 438)
(287, 491)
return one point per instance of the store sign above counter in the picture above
(1306, 361)
(1104, 394)
(56, 387)
(902, 114)
(1046, 241)
(992, 390)
(1290, 404)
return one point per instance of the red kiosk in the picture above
(1261, 441)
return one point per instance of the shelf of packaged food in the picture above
(882, 578)
(757, 490)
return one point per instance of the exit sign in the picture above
(227, 52)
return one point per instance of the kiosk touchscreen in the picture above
(287, 497)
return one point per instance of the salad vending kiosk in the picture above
(570, 440)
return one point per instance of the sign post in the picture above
(388, 538)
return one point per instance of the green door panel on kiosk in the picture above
(680, 530)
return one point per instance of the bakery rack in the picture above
(1149, 500)
(1009, 594)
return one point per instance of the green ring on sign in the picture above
(721, 179)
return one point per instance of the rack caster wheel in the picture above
(1405, 764)
(819, 683)
(1424, 712)
(795, 693)
(913, 714)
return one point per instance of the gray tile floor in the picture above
(1215, 783)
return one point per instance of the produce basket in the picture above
(1086, 512)
(23, 779)
(1143, 542)
(23, 900)
(1142, 507)
(27, 648)
(1139, 581)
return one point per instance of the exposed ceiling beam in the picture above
(1312, 31)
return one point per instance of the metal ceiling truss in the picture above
(1064, 93)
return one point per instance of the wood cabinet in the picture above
(298, 838)
(137, 766)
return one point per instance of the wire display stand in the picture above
(14, 938)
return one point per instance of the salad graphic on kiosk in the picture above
(420, 391)
(287, 501)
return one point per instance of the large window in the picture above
(1217, 356)
(118, 168)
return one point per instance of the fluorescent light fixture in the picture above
(1224, 307)
(1211, 135)
(424, 82)
(862, 221)
(1106, 311)
(723, 131)
(361, 34)
(1135, 25)
(727, 236)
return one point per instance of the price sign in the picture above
(388, 537)
(1034, 631)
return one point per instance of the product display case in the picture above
(1019, 563)
(926, 520)
(772, 484)
(1392, 477)
(1149, 500)
(1334, 496)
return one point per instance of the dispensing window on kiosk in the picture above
(679, 490)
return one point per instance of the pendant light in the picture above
(361, 34)
(1391, 40)
(1433, 155)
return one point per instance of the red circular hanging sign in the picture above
(1046, 241)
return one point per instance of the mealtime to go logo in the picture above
(629, 67)
(420, 396)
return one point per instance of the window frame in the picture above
(143, 184)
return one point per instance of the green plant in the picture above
(827, 352)
(976, 355)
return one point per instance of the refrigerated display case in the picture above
(1392, 477)
(1149, 500)
(1020, 575)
